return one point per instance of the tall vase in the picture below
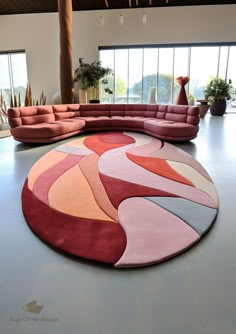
(152, 95)
(182, 97)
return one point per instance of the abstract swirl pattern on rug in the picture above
(121, 198)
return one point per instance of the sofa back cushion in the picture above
(117, 110)
(179, 113)
(57, 108)
(29, 120)
(66, 115)
(151, 110)
(161, 111)
(176, 113)
(94, 109)
(65, 111)
(30, 115)
(142, 110)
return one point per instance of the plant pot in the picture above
(203, 109)
(218, 108)
(94, 101)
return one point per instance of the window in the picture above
(231, 70)
(150, 65)
(223, 59)
(165, 76)
(139, 69)
(13, 78)
(107, 57)
(135, 77)
(203, 67)
(121, 76)
(181, 68)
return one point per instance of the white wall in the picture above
(39, 35)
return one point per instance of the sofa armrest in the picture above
(193, 116)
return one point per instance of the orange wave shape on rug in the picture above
(160, 167)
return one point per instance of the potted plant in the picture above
(218, 91)
(89, 76)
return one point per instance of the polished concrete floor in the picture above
(194, 293)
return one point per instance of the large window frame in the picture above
(14, 74)
(222, 67)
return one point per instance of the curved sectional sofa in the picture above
(50, 123)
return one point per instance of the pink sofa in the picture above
(45, 124)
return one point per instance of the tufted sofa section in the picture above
(45, 124)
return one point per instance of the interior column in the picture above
(66, 62)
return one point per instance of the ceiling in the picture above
(46, 6)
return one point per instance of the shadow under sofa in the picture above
(50, 123)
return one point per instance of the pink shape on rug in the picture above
(147, 149)
(153, 234)
(46, 180)
(43, 164)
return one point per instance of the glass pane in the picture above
(180, 69)
(149, 74)
(223, 61)
(5, 85)
(107, 59)
(232, 75)
(135, 75)
(204, 64)
(19, 74)
(164, 93)
(121, 76)
(231, 67)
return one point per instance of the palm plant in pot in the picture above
(218, 91)
(89, 76)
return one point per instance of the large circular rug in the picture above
(121, 198)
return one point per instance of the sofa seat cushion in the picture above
(96, 122)
(48, 130)
(151, 125)
(171, 128)
(129, 121)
